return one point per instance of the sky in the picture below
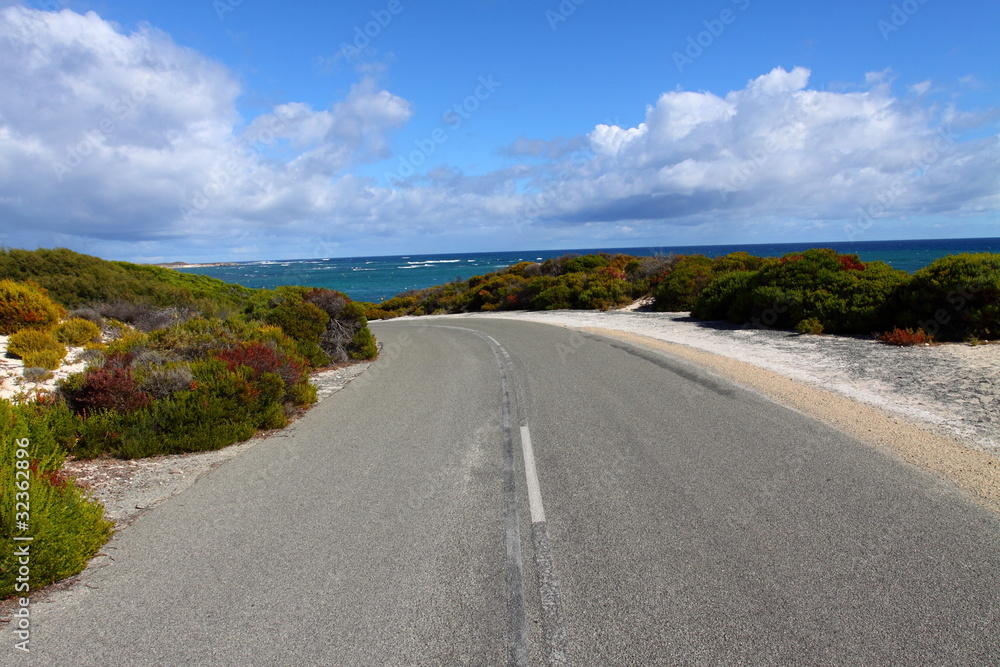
(225, 130)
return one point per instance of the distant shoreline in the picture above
(186, 265)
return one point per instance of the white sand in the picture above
(14, 387)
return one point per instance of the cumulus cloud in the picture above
(132, 137)
(777, 148)
(135, 142)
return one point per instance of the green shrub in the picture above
(953, 298)
(77, 331)
(584, 263)
(724, 298)
(67, 527)
(26, 306)
(304, 393)
(73, 279)
(810, 325)
(839, 291)
(29, 342)
(301, 320)
(363, 345)
(681, 287)
(47, 359)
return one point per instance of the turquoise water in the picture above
(379, 278)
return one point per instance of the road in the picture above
(660, 516)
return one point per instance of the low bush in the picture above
(160, 381)
(809, 325)
(953, 298)
(843, 294)
(25, 305)
(110, 387)
(89, 314)
(905, 337)
(37, 373)
(67, 528)
(684, 282)
(46, 359)
(77, 331)
(146, 318)
(363, 345)
(28, 344)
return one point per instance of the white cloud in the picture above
(777, 148)
(111, 135)
(132, 143)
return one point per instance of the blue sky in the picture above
(207, 130)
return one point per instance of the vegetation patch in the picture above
(175, 363)
(25, 305)
(905, 337)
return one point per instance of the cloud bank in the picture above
(135, 142)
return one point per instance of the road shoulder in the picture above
(976, 473)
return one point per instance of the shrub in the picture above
(37, 373)
(842, 293)
(261, 358)
(45, 359)
(905, 337)
(681, 287)
(953, 298)
(111, 387)
(161, 381)
(329, 301)
(584, 263)
(28, 342)
(67, 527)
(144, 317)
(300, 320)
(26, 306)
(363, 345)
(89, 314)
(809, 325)
(724, 297)
(77, 331)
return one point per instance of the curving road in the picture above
(501, 492)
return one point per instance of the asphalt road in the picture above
(661, 517)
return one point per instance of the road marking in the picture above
(553, 630)
(531, 474)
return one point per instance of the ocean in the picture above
(376, 279)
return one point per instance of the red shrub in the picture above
(905, 337)
(261, 359)
(112, 387)
(851, 263)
